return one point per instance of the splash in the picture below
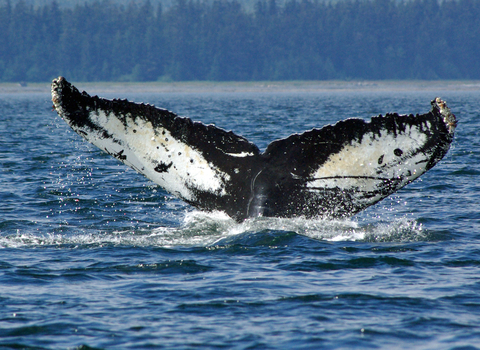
(201, 229)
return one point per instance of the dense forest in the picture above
(249, 4)
(221, 40)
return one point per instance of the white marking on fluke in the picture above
(335, 171)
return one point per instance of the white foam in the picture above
(203, 229)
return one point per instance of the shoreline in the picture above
(246, 87)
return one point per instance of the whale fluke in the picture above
(335, 171)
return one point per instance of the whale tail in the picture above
(334, 171)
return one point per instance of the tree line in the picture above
(221, 40)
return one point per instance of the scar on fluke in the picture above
(332, 172)
(162, 167)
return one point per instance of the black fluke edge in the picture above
(332, 172)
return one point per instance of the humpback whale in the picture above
(332, 172)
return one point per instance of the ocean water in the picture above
(94, 256)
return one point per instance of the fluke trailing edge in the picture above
(335, 171)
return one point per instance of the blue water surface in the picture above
(95, 256)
